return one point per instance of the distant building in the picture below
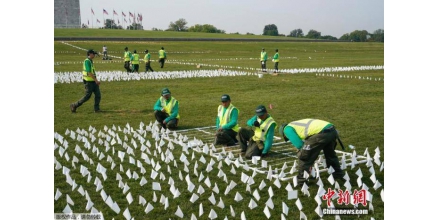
(67, 14)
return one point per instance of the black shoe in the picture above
(73, 108)
(98, 111)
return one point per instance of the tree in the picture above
(313, 34)
(205, 28)
(359, 36)
(270, 30)
(135, 26)
(179, 25)
(296, 33)
(378, 35)
(345, 37)
(110, 24)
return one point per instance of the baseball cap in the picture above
(126, 48)
(165, 91)
(225, 98)
(262, 48)
(91, 51)
(260, 110)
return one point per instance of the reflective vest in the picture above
(127, 56)
(276, 57)
(263, 56)
(161, 54)
(86, 77)
(147, 57)
(135, 59)
(260, 132)
(168, 107)
(225, 118)
(308, 127)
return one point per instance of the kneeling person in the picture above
(257, 142)
(226, 123)
(166, 110)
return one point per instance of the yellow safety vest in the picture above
(135, 59)
(127, 56)
(161, 54)
(263, 55)
(260, 132)
(225, 118)
(86, 77)
(277, 59)
(308, 127)
(168, 107)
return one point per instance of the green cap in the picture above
(260, 110)
(165, 91)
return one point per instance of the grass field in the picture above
(355, 106)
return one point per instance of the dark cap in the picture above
(165, 91)
(134, 51)
(260, 110)
(91, 51)
(126, 48)
(146, 51)
(263, 49)
(225, 98)
(162, 48)
(282, 132)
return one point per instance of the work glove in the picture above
(256, 123)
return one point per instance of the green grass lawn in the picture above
(355, 106)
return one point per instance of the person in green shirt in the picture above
(91, 83)
(147, 61)
(135, 61)
(226, 123)
(276, 60)
(162, 57)
(258, 140)
(310, 136)
(166, 110)
(263, 59)
(127, 57)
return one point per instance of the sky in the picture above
(330, 17)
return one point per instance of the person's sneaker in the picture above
(98, 111)
(73, 108)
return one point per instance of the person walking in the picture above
(135, 61)
(104, 51)
(257, 141)
(310, 136)
(226, 123)
(276, 60)
(263, 59)
(166, 110)
(127, 57)
(162, 57)
(147, 61)
(91, 83)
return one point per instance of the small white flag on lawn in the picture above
(298, 204)
(200, 209)
(212, 214)
(156, 186)
(232, 211)
(127, 214)
(221, 204)
(269, 203)
(69, 200)
(267, 212)
(58, 194)
(252, 204)
(292, 195)
(285, 208)
(67, 209)
(179, 212)
(238, 197)
(148, 208)
(256, 195)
